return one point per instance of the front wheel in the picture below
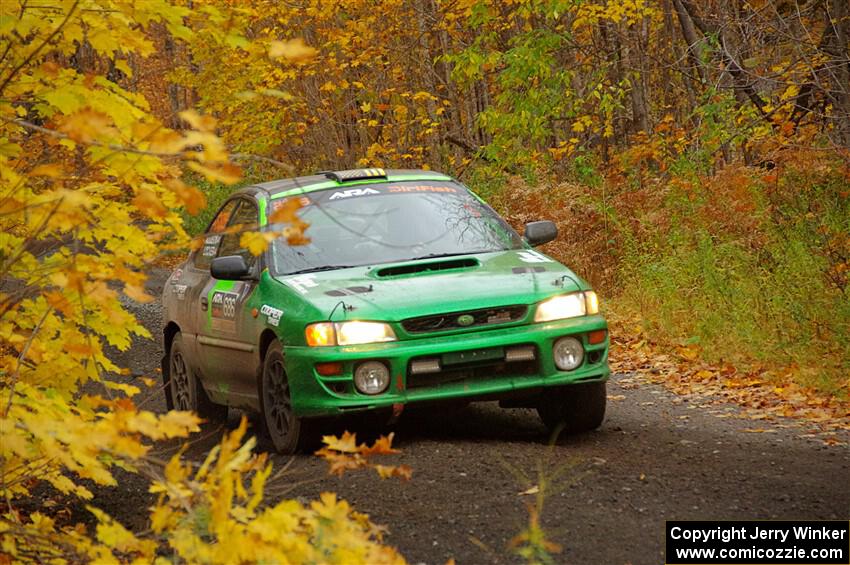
(283, 427)
(573, 408)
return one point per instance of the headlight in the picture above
(348, 333)
(352, 333)
(567, 306)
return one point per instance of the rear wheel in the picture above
(574, 408)
(284, 428)
(186, 392)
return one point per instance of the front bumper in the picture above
(316, 395)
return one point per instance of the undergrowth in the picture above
(749, 265)
(216, 193)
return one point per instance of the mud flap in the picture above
(163, 364)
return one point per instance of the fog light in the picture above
(372, 377)
(568, 353)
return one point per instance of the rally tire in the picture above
(286, 431)
(185, 391)
(574, 408)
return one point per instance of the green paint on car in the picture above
(411, 289)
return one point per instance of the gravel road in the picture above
(657, 457)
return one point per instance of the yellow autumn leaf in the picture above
(87, 125)
(149, 203)
(197, 121)
(137, 293)
(225, 173)
(345, 444)
(293, 50)
(257, 242)
(51, 170)
(178, 423)
(389, 471)
(286, 211)
(193, 199)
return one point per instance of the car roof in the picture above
(322, 181)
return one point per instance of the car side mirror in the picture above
(538, 233)
(230, 268)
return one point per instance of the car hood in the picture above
(397, 291)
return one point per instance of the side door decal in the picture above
(223, 298)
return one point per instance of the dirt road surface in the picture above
(658, 456)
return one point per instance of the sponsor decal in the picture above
(224, 305)
(175, 276)
(302, 282)
(419, 188)
(533, 257)
(280, 203)
(211, 245)
(179, 291)
(353, 192)
(272, 314)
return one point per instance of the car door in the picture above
(226, 333)
(189, 282)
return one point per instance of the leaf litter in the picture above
(766, 395)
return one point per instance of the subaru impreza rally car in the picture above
(408, 289)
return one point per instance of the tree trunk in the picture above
(740, 81)
(840, 18)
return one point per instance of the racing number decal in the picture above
(222, 312)
(224, 305)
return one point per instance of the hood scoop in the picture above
(430, 267)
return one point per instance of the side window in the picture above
(213, 237)
(243, 219)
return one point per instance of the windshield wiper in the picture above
(322, 268)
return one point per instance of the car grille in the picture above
(453, 320)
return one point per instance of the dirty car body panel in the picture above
(456, 292)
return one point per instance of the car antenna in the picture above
(345, 308)
(560, 280)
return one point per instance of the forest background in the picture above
(696, 156)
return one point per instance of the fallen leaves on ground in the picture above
(345, 454)
(763, 393)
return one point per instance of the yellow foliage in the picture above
(257, 242)
(294, 50)
(217, 503)
(90, 183)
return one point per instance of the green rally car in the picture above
(407, 289)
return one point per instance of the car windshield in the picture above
(369, 224)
